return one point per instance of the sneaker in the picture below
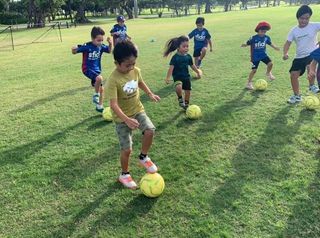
(249, 86)
(270, 76)
(181, 102)
(99, 108)
(199, 64)
(314, 89)
(148, 165)
(127, 181)
(295, 99)
(96, 98)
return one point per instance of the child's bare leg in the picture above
(98, 83)
(251, 75)
(203, 53)
(294, 75)
(101, 98)
(196, 61)
(147, 140)
(124, 160)
(187, 94)
(269, 68)
(311, 80)
(179, 90)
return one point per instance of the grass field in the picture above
(249, 168)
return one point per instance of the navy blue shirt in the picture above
(200, 38)
(259, 47)
(91, 56)
(121, 30)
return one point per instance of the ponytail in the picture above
(173, 44)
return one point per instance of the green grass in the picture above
(249, 168)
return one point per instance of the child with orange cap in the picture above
(258, 44)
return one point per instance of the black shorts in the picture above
(300, 64)
(186, 83)
(92, 75)
(197, 52)
(255, 64)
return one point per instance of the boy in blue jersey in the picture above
(91, 62)
(119, 31)
(202, 38)
(258, 44)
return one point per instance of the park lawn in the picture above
(249, 168)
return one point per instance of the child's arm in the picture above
(110, 44)
(198, 72)
(169, 74)
(286, 48)
(131, 122)
(129, 37)
(210, 44)
(244, 45)
(275, 47)
(146, 89)
(312, 69)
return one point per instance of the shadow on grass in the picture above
(139, 206)
(67, 229)
(253, 163)
(53, 97)
(163, 93)
(21, 153)
(305, 219)
(225, 111)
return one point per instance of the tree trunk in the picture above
(128, 10)
(208, 7)
(80, 16)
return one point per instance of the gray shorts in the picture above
(125, 133)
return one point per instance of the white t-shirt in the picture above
(305, 38)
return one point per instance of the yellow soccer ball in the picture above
(311, 102)
(261, 85)
(152, 185)
(193, 112)
(106, 114)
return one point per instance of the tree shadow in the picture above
(252, 163)
(68, 228)
(139, 206)
(21, 153)
(163, 93)
(224, 112)
(53, 97)
(305, 220)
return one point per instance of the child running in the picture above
(258, 44)
(91, 63)
(119, 31)
(128, 112)
(202, 38)
(179, 68)
(305, 37)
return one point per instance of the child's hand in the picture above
(244, 45)
(132, 123)
(277, 48)
(211, 49)
(154, 97)
(311, 75)
(285, 57)
(109, 40)
(167, 81)
(74, 49)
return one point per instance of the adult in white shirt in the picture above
(305, 37)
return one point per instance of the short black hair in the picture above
(304, 9)
(124, 50)
(96, 30)
(200, 20)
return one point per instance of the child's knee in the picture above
(270, 64)
(101, 89)
(127, 152)
(254, 71)
(204, 49)
(149, 133)
(99, 79)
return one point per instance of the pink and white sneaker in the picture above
(148, 165)
(270, 76)
(127, 181)
(249, 86)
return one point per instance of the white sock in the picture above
(99, 106)
(96, 94)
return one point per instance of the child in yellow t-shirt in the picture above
(128, 112)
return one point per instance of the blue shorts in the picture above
(255, 64)
(197, 51)
(92, 75)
